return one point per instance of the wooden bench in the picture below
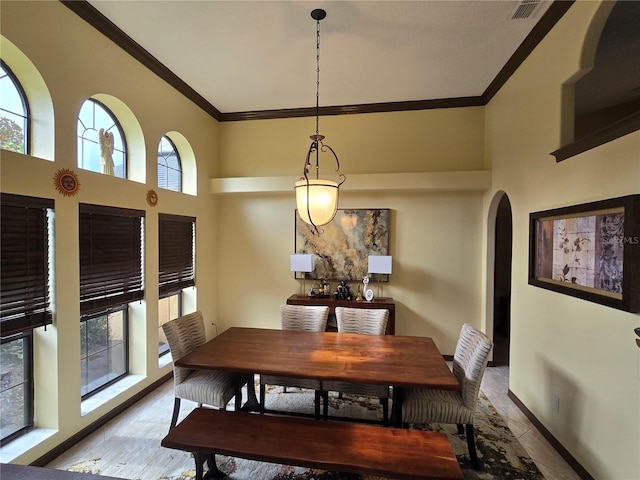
(325, 444)
(10, 471)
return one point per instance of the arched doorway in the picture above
(502, 282)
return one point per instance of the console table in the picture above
(383, 302)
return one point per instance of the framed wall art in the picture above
(342, 250)
(589, 251)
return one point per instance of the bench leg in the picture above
(210, 460)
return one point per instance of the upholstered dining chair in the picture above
(368, 321)
(205, 387)
(422, 405)
(304, 318)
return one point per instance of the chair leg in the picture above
(325, 404)
(263, 394)
(471, 442)
(284, 389)
(460, 428)
(385, 411)
(316, 404)
(238, 405)
(176, 412)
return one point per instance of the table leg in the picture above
(252, 404)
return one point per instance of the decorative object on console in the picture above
(302, 264)
(317, 199)
(342, 250)
(379, 265)
(343, 292)
(589, 251)
(368, 293)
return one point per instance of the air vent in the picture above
(525, 9)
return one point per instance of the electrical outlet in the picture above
(555, 404)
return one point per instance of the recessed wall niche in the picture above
(606, 99)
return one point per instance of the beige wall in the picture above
(435, 235)
(440, 237)
(75, 62)
(581, 352)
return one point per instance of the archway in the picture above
(502, 282)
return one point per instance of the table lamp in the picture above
(302, 263)
(379, 264)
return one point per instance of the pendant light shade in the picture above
(317, 199)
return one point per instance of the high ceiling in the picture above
(243, 56)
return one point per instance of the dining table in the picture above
(394, 360)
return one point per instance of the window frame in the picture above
(125, 334)
(81, 138)
(167, 167)
(163, 348)
(25, 106)
(28, 406)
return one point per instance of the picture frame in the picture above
(342, 249)
(589, 251)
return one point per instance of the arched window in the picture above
(169, 166)
(101, 142)
(14, 113)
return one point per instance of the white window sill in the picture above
(24, 443)
(109, 393)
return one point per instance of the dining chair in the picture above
(205, 387)
(423, 405)
(367, 321)
(303, 318)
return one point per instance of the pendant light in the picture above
(317, 199)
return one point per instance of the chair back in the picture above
(369, 321)
(184, 334)
(304, 317)
(470, 361)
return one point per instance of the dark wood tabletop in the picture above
(400, 361)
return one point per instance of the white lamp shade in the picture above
(302, 263)
(323, 200)
(380, 264)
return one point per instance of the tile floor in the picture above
(495, 385)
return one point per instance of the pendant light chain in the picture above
(317, 199)
(317, 75)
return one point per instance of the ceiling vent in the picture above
(525, 9)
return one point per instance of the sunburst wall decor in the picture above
(66, 182)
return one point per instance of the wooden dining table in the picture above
(394, 360)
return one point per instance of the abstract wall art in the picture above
(342, 249)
